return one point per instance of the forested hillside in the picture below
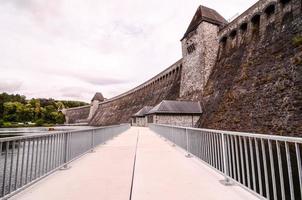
(16, 110)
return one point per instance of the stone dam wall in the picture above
(76, 115)
(164, 86)
(256, 84)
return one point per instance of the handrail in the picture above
(25, 160)
(253, 135)
(52, 133)
(268, 166)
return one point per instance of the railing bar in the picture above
(258, 167)
(55, 152)
(225, 156)
(242, 162)
(229, 156)
(47, 153)
(22, 163)
(4, 169)
(17, 166)
(58, 150)
(62, 148)
(69, 149)
(210, 149)
(233, 158)
(11, 168)
(200, 145)
(265, 169)
(27, 161)
(40, 157)
(222, 152)
(280, 170)
(44, 154)
(253, 164)
(32, 161)
(206, 147)
(51, 152)
(237, 156)
(203, 147)
(299, 166)
(247, 164)
(216, 151)
(36, 159)
(272, 168)
(290, 174)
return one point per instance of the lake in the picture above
(10, 132)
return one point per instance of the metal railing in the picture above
(26, 159)
(266, 165)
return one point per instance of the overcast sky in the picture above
(70, 49)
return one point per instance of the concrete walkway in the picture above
(162, 172)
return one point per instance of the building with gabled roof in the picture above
(139, 118)
(180, 113)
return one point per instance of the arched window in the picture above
(269, 10)
(233, 34)
(255, 24)
(256, 21)
(243, 27)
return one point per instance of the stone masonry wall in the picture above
(77, 115)
(256, 84)
(178, 120)
(198, 64)
(164, 86)
(140, 121)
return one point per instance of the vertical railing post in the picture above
(173, 136)
(92, 141)
(65, 166)
(188, 144)
(226, 180)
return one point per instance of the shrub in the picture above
(40, 122)
(6, 124)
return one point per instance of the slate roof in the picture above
(176, 107)
(98, 96)
(205, 14)
(142, 112)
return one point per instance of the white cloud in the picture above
(10, 85)
(92, 45)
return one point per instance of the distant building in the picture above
(179, 113)
(140, 118)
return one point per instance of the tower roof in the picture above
(205, 14)
(143, 111)
(98, 96)
(177, 107)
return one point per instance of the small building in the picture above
(179, 113)
(140, 118)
